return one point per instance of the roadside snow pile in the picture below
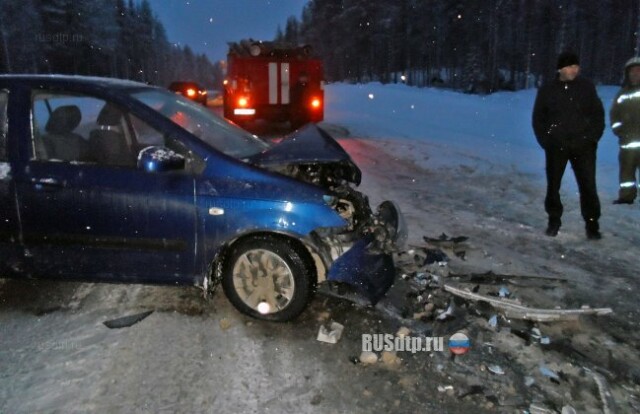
(481, 131)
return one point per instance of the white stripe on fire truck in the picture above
(284, 83)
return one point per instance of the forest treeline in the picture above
(96, 37)
(470, 45)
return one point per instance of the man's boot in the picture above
(622, 201)
(553, 227)
(593, 230)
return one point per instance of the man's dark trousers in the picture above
(583, 162)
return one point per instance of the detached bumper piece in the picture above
(371, 274)
(368, 266)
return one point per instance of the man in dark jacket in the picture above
(568, 120)
(625, 122)
(299, 98)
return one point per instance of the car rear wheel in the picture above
(268, 278)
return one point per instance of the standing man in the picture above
(568, 120)
(299, 98)
(625, 122)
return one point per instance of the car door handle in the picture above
(48, 182)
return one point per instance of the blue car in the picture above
(116, 181)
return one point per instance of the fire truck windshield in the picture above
(204, 124)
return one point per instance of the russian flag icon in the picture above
(459, 343)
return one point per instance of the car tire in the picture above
(268, 277)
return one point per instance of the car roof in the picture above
(180, 84)
(62, 80)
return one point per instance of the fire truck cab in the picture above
(272, 82)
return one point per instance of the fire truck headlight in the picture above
(315, 103)
(243, 102)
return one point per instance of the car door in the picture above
(10, 249)
(87, 211)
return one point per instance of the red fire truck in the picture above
(273, 82)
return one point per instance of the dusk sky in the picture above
(207, 25)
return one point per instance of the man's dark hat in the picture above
(567, 59)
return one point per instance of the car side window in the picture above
(4, 125)
(80, 129)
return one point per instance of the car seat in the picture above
(60, 142)
(108, 144)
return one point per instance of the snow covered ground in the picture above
(468, 164)
(483, 131)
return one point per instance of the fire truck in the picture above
(270, 81)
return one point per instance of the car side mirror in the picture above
(160, 159)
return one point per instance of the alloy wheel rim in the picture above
(263, 280)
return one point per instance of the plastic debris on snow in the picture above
(126, 321)
(499, 316)
(496, 369)
(553, 376)
(445, 388)
(504, 292)
(331, 335)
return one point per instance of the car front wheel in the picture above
(268, 278)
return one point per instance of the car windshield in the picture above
(204, 124)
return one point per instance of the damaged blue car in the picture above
(116, 181)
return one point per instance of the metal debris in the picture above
(496, 369)
(490, 277)
(444, 238)
(608, 404)
(435, 256)
(516, 311)
(447, 314)
(499, 307)
(540, 409)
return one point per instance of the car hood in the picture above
(310, 146)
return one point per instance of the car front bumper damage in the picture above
(367, 265)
